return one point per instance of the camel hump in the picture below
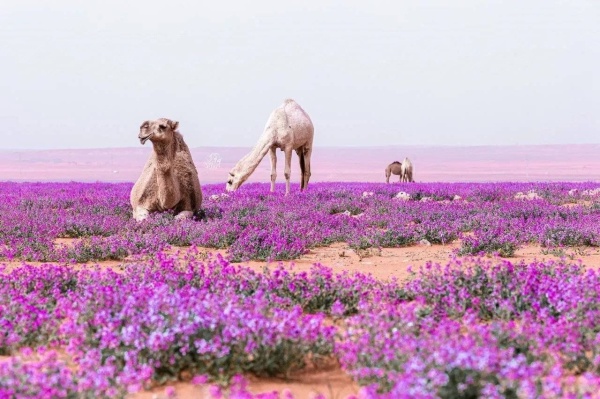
(284, 105)
(395, 162)
(179, 142)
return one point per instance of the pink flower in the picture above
(170, 392)
(199, 379)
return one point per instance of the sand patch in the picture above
(329, 381)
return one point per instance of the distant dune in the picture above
(452, 164)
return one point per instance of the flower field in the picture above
(478, 326)
(254, 224)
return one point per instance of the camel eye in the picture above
(162, 127)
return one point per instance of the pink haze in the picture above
(367, 164)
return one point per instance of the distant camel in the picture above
(169, 179)
(393, 168)
(407, 171)
(288, 128)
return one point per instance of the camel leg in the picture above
(140, 213)
(300, 153)
(288, 169)
(273, 167)
(306, 175)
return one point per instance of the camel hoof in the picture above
(199, 215)
(184, 215)
(140, 214)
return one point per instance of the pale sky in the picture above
(86, 74)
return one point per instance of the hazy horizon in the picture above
(575, 162)
(363, 147)
(429, 72)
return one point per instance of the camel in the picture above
(288, 128)
(407, 171)
(169, 180)
(395, 168)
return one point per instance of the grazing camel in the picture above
(395, 168)
(169, 179)
(288, 128)
(407, 171)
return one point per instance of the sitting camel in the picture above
(169, 179)
(395, 168)
(288, 128)
(407, 171)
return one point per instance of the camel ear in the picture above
(173, 125)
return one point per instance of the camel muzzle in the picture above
(144, 139)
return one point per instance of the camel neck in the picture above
(258, 153)
(164, 155)
(163, 150)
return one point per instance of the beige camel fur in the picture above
(395, 168)
(407, 171)
(169, 179)
(288, 128)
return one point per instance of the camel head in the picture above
(237, 176)
(158, 131)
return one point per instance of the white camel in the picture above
(288, 128)
(407, 171)
(169, 179)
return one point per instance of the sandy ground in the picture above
(331, 381)
(396, 262)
